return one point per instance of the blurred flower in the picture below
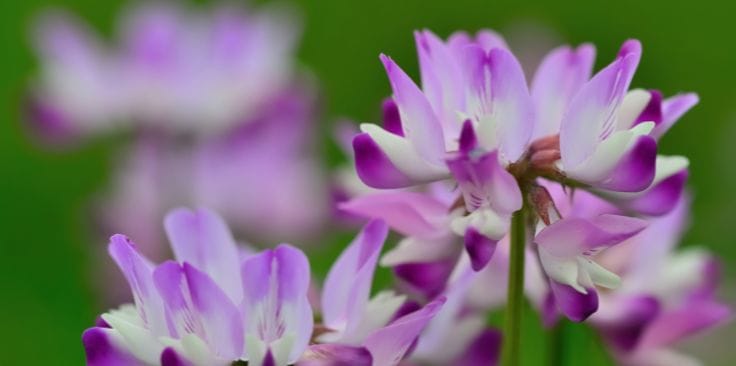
(210, 307)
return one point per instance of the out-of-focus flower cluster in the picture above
(221, 117)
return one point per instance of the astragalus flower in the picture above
(215, 305)
(666, 295)
(172, 68)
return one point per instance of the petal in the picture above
(441, 75)
(484, 182)
(409, 213)
(425, 278)
(138, 272)
(558, 78)
(391, 117)
(221, 318)
(626, 330)
(374, 167)
(489, 40)
(133, 337)
(396, 156)
(691, 318)
(388, 345)
(653, 110)
(479, 248)
(574, 236)
(634, 104)
(624, 162)
(485, 350)
(202, 239)
(414, 249)
(574, 305)
(591, 116)
(672, 109)
(376, 314)
(419, 122)
(511, 105)
(169, 357)
(104, 347)
(348, 283)
(664, 193)
(335, 355)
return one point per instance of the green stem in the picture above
(556, 350)
(510, 355)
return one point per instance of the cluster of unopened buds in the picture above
(501, 191)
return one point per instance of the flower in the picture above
(215, 305)
(666, 295)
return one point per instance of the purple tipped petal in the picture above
(661, 198)
(220, 317)
(169, 357)
(672, 109)
(468, 139)
(484, 351)
(348, 284)
(483, 181)
(558, 78)
(139, 273)
(653, 110)
(374, 167)
(591, 116)
(419, 122)
(101, 349)
(428, 279)
(409, 213)
(389, 344)
(479, 248)
(202, 239)
(635, 171)
(573, 304)
(391, 117)
(335, 355)
(488, 40)
(626, 332)
(269, 360)
(574, 236)
(48, 121)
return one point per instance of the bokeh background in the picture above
(46, 292)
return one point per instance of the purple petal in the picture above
(374, 167)
(269, 360)
(202, 239)
(49, 121)
(574, 305)
(483, 181)
(488, 40)
(428, 279)
(479, 248)
(691, 318)
(591, 116)
(468, 140)
(574, 236)
(653, 110)
(626, 332)
(101, 350)
(220, 317)
(513, 108)
(391, 117)
(441, 75)
(419, 122)
(389, 344)
(635, 171)
(348, 283)
(660, 198)
(139, 273)
(409, 213)
(484, 351)
(672, 109)
(558, 78)
(335, 355)
(169, 357)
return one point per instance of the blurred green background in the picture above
(46, 294)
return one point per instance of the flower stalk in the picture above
(514, 304)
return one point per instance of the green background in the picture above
(46, 294)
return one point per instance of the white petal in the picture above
(139, 340)
(634, 103)
(377, 313)
(485, 220)
(404, 156)
(413, 249)
(562, 270)
(599, 275)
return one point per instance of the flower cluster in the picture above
(220, 115)
(498, 188)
